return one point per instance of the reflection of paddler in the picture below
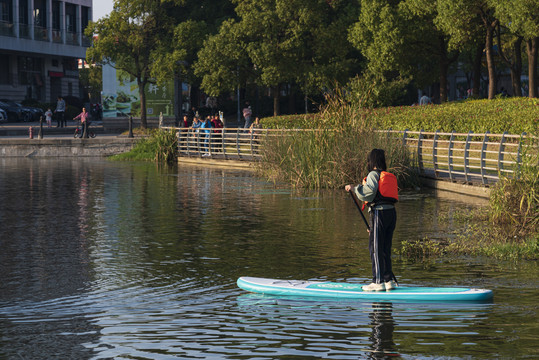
(383, 326)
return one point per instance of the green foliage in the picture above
(160, 146)
(372, 91)
(512, 115)
(334, 152)
(420, 249)
(514, 201)
(279, 41)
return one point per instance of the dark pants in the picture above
(60, 118)
(380, 238)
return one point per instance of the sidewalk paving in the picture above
(21, 130)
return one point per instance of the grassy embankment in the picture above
(506, 228)
(155, 145)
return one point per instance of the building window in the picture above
(71, 18)
(6, 11)
(29, 70)
(6, 69)
(56, 23)
(40, 13)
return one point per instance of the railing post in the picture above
(209, 141)
(483, 156)
(450, 155)
(435, 153)
(501, 156)
(251, 141)
(191, 137)
(404, 137)
(238, 142)
(198, 140)
(467, 156)
(419, 151)
(519, 157)
(223, 141)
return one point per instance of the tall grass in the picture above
(508, 228)
(333, 152)
(514, 201)
(160, 146)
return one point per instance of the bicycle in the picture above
(78, 132)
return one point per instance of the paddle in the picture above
(356, 201)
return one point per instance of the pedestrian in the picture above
(48, 117)
(83, 116)
(247, 113)
(60, 112)
(380, 191)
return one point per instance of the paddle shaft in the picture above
(356, 201)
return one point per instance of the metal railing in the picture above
(228, 144)
(466, 157)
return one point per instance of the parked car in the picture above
(28, 113)
(14, 112)
(3, 116)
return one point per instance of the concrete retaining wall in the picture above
(64, 147)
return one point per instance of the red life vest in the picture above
(387, 186)
(388, 190)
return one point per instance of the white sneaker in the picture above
(390, 285)
(205, 154)
(374, 287)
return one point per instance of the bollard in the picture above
(130, 127)
(40, 134)
(31, 132)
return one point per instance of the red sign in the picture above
(56, 74)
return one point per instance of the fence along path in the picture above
(466, 157)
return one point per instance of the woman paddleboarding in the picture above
(380, 192)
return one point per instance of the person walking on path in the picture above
(379, 190)
(247, 113)
(83, 116)
(60, 112)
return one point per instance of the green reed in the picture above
(333, 152)
(160, 146)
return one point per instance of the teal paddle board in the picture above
(354, 291)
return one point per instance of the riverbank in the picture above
(65, 146)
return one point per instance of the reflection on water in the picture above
(114, 260)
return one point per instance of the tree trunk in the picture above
(492, 85)
(477, 70)
(276, 109)
(443, 81)
(142, 94)
(516, 69)
(444, 66)
(532, 47)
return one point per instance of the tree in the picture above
(129, 39)
(401, 37)
(461, 20)
(275, 42)
(522, 18)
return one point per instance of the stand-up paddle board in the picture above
(354, 291)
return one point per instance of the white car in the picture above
(3, 116)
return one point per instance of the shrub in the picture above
(160, 146)
(333, 153)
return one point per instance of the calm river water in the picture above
(104, 260)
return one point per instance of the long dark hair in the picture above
(376, 159)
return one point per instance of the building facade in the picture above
(40, 44)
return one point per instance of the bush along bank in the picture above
(511, 115)
(333, 152)
(158, 145)
(508, 228)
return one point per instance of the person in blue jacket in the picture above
(206, 125)
(383, 221)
